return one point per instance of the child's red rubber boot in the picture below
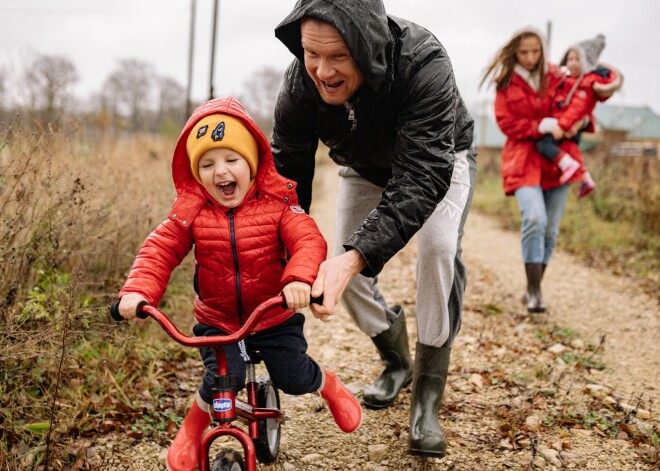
(344, 407)
(568, 166)
(182, 455)
(587, 185)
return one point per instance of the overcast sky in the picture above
(96, 34)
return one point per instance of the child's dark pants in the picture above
(548, 146)
(283, 349)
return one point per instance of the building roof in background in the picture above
(648, 129)
(620, 117)
(640, 122)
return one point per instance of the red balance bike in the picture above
(261, 412)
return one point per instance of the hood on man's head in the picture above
(362, 24)
(589, 52)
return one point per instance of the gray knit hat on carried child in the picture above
(589, 52)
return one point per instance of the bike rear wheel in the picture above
(228, 460)
(267, 445)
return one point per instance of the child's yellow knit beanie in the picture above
(221, 131)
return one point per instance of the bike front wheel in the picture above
(267, 445)
(228, 460)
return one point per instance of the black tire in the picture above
(267, 445)
(228, 460)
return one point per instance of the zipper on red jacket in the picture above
(234, 252)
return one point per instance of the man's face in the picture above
(328, 62)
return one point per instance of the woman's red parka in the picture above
(519, 110)
(243, 255)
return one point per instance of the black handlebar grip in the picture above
(114, 311)
(138, 310)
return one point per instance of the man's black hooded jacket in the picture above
(408, 120)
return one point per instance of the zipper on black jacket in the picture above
(234, 251)
(351, 114)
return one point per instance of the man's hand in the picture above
(128, 304)
(296, 294)
(332, 279)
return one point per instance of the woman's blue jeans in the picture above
(541, 213)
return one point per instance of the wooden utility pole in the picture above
(191, 44)
(215, 24)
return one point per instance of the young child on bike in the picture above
(586, 83)
(252, 242)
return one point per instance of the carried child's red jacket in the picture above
(243, 255)
(594, 87)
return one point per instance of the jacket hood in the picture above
(190, 191)
(589, 52)
(362, 24)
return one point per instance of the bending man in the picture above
(379, 91)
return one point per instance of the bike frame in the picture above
(225, 406)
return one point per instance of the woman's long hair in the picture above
(501, 67)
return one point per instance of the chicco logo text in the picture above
(222, 405)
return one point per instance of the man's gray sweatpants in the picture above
(441, 274)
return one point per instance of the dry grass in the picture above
(66, 205)
(73, 216)
(617, 226)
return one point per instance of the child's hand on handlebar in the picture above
(296, 294)
(128, 305)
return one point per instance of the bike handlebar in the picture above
(114, 311)
(145, 310)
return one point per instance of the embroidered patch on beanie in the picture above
(219, 132)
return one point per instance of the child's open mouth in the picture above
(228, 189)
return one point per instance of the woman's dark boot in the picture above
(426, 437)
(525, 297)
(534, 272)
(392, 346)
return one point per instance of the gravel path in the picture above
(594, 302)
(514, 399)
